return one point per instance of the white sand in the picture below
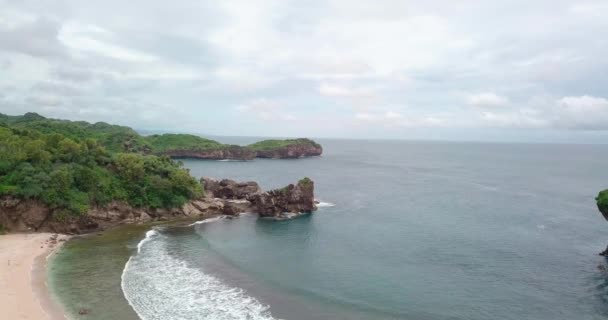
(23, 290)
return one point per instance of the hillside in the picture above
(116, 138)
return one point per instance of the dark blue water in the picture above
(419, 230)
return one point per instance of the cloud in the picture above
(266, 109)
(344, 63)
(333, 90)
(487, 99)
(582, 112)
(397, 119)
(37, 39)
(95, 40)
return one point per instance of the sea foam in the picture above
(322, 204)
(159, 286)
(214, 219)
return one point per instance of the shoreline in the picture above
(23, 276)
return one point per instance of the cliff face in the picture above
(228, 153)
(295, 199)
(291, 152)
(27, 215)
(269, 149)
(225, 197)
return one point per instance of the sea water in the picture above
(406, 230)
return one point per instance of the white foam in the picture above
(214, 219)
(149, 235)
(159, 286)
(322, 204)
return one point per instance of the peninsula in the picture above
(116, 138)
(76, 177)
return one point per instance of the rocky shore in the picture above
(223, 197)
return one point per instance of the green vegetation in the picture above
(73, 165)
(602, 201)
(168, 142)
(114, 138)
(266, 145)
(305, 181)
(67, 166)
(124, 139)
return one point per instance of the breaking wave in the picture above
(160, 286)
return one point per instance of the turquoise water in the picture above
(414, 231)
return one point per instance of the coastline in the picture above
(23, 276)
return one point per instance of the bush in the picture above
(602, 202)
(71, 173)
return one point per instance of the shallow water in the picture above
(417, 231)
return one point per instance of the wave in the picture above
(159, 286)
(148, 237)
(322, 204)
(209, 220)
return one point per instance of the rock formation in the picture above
(225, 197)
(296, 199)
(230, 189)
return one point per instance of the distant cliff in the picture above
(190, 146)
(124, 139)
(286, 149)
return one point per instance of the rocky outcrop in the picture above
(225, 197)
(230, 189)
(18, 215)
(21, 215)
(226, 153)
(279, 203)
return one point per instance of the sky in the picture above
(515, 70)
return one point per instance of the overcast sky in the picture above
(468, 69)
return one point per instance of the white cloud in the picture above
(333, 90)
(397, 119)
(347, 63)
(487, 99)
(266, 109)
(87, 38)
(583, 112)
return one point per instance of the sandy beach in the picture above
(23, 289)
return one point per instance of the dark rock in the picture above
(291, 199)
(229, 189)
(83, 311)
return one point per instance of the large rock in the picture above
(297, 198)
(21, 216)
(229, 189)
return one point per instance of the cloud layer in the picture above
(384, 68)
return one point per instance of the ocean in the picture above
(406, 230)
